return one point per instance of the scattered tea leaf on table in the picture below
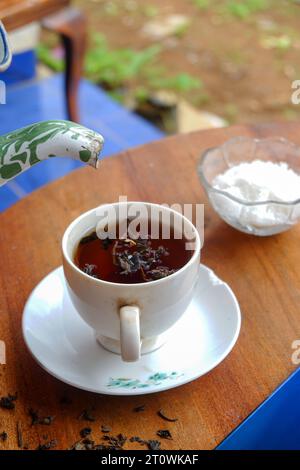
(85, 432)
(86, 415)
(162, 414)
(3, 436)
(19, 435)
(105, 429)
(8, 402)
(139, 408)
(153, 444)
(47, 445)
(164, 433)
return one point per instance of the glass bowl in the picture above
(261, 218)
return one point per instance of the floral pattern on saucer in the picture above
(154, 379)
(65, 346)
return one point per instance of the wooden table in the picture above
(17, 13)
(68, 22)
(263, 272)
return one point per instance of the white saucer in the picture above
(66, 347)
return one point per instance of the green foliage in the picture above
(290, 114)
(181, 83)
(116, 67)
(202, 4)
(231, 112)
(181, 30)
(150, 11)
(244, 9)
(141, 93)
(280, 43)
(46, 57)
(202, 99)
(111, 8)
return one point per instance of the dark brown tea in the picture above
(131, 261)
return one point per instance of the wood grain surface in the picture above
(17, 13)
(263, 273)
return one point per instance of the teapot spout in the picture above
(21, 149)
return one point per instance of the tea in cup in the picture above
(131, 268)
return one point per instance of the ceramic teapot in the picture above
(23, 148)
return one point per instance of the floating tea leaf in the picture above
(132, 260)
(106, 242)
(89, 238)
(90, 269)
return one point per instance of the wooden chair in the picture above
(65, 20)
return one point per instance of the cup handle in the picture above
(130, 333)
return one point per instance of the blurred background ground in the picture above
(236, 59)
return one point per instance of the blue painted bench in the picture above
(44, 99)
(274, 425)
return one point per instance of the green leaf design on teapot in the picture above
(21, 149)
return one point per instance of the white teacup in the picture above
(129, 318)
